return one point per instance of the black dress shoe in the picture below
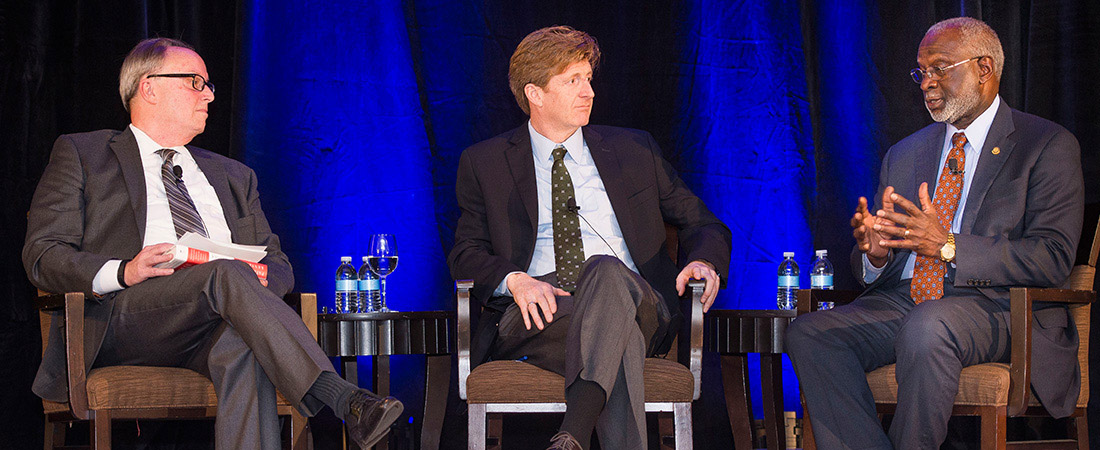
(564, 441)
(370, 417)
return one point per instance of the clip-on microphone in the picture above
(178, 172)
(953, 165)
(571, 206)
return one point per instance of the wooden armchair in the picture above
(138, 392)
(996, 391)
(669, 386)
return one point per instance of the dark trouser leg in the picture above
(247, 416)
(172, 321)
(938, 339)
(831, 351)
(602, 334)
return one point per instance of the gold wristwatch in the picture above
(947, 252)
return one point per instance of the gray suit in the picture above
(1020, 227)
(216, 318)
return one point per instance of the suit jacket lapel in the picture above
(926, 172)
(611, 173)
(129, 159)
(521, 163)
(989, 165)
(215, 175)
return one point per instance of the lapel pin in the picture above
(996, 150)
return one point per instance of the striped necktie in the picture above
(927, 282)
(184, 214)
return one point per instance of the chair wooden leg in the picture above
(993, 427)
(1082, 425)
(682, 416)
(475, 426)
(100, 425)
(735, 385)
(666, 431)
(300, 438)
(495, 427)
(808, 442)
(55, 435)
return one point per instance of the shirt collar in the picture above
(147, 146)
(543, 147)
(979, 128)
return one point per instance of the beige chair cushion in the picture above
(983, 384)
(519, 382)
(131, 387)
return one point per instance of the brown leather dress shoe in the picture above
(369, 417)
(564, 441)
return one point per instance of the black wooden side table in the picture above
(380, 335)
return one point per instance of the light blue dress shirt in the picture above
(591, 197)
(975, 140)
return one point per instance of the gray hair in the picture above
(977, 36)
(144, 59)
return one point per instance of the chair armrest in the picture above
(71, 306)
(696, 358)
(809, 298)
(462, 294)
(1020, 308)
(306, 304)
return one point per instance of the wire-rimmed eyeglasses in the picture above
(198, 82)
(935, 73)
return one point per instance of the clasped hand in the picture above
(917, 229)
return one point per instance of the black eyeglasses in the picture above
(935, 73)
(198, 83)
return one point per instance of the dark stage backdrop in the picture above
(353, 114)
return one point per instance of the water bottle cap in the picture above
(788, 254)
(346, 259)
(821, 253)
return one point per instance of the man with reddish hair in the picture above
(562, 231)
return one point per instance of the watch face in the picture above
(947, 252)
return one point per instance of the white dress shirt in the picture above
(591, 197)
(975, 140)
(159, 227)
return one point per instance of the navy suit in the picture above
(1020, 227)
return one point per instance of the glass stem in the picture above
(382, 291)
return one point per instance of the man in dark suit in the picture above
(1007, 211)
(600, 297)
(111, 204)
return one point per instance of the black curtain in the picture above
(59, 65)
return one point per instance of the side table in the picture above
(380, 335)
(734, 334)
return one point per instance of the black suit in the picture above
(1020, 227)
(496, 233)
(90, 207)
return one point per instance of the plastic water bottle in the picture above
(788, 282)
(346, 281)
(821, 276)
(370, 298)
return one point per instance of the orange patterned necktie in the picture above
(927, 282)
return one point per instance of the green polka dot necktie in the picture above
(568, 248)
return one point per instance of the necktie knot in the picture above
(559, 153)
(958, 140)
(167, 154)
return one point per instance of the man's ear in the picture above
(534, 94)
(985, 69)
(147, 92)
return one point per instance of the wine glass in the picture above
(382, 260)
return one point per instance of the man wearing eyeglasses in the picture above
(985, 199)
(108, 207)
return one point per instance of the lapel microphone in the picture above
(571, 206)
(178, 172)
(953, 165)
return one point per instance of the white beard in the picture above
(955, 107)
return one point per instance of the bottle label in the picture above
(788, 281)
(345, 285)
(369, 284)
(820, 281)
